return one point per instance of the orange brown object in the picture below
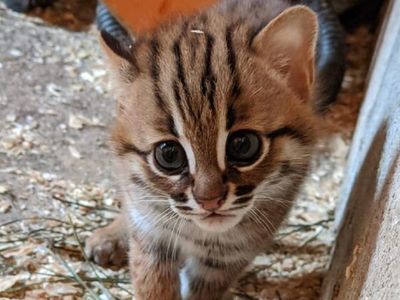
(144, 15)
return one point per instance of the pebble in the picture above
(5, 207)
(49, 176)
(287, 264)
(16, 53)
(74, 152)
(11, 118)
(54, 89)
(87, 76)
(3, 189)
(76, 122)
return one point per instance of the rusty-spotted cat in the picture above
(217, 120)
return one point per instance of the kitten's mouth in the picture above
(215, 215)
(216, 221)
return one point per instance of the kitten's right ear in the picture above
(117, 49)
(288, 44)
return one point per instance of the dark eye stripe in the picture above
(242, 200)
(124, 148)
(244, 190)
(181, 198)
(185, 208)
(291, 132)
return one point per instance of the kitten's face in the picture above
(211, 128)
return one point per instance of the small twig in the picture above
(87, 260)
(74, 275)
(302, 227)
(318, 223)
(101, 208)
(24, 286)
(84, 278)
(311, 239)
(32, 219)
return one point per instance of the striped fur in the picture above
(197, 80)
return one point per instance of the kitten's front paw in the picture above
(107, 248)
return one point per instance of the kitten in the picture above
(215, 128)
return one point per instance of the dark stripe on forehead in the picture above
(181, 82)
(208, 81)
(155, 73)
(231, 59)
(231, 117)
(172, 127)
(291, 132)
(169, 125)
(235, 86)
(178, 98)
(179, 65)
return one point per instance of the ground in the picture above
(56, 182)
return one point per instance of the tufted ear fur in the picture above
(288, 44)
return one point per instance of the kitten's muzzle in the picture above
(210, 191)
(212, 201)
(213, 204)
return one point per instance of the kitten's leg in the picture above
(108, 246)
(154, 270)
(210, 279)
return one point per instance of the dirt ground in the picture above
(56, 182)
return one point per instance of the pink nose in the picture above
(213, 204)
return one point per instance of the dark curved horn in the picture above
(330, 54)
(108, 23)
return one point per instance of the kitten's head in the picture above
(215, 120)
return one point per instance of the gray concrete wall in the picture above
(366, 260)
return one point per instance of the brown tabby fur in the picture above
(232, 67)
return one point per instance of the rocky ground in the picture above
(56, 183)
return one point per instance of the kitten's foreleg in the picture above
(108, 246)
(210, 279)
(154, 271)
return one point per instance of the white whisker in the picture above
(260, 222)
(266, 219)
(165, 217)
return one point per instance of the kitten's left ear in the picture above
(288, 45)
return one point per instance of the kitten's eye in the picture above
(243, 147)
(170, 157)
